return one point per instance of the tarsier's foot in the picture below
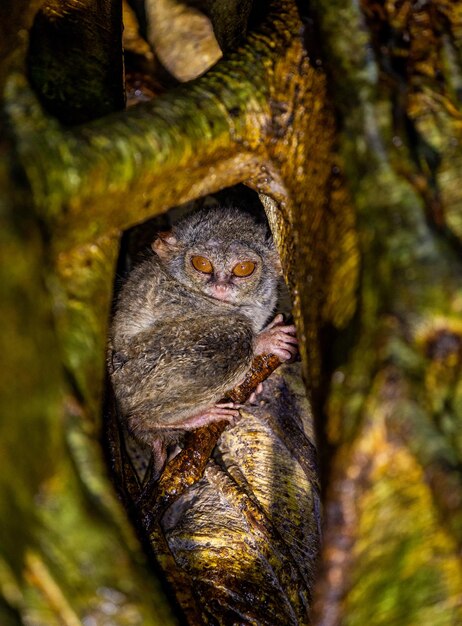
(223, 411)
(277, 339)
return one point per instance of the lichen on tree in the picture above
(365, 92)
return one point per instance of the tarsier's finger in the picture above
(253, 396)
(284, 345)
(225, 413)
(288, 329)
(284, 355)
(288, 338)
(277, 320)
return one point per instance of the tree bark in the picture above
(74, 86)
(395, 485)
(370, 92)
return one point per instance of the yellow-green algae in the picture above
(406, 570)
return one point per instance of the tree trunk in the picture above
(368, 92)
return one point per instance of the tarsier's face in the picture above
(226, 255)
(229, 273)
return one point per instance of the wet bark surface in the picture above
(368, 93)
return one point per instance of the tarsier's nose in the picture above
(221, 291)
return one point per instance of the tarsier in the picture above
(189, 321)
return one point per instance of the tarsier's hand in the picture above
(254, 395)
(277, 339)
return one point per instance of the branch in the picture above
(126, 167)
(188, 466)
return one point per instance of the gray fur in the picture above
(174, 350)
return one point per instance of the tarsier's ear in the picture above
(165, 245)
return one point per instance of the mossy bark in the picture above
(68, 552)
(394, 406)
(375, 277)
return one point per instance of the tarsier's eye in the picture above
(244, 269)
(201, 264)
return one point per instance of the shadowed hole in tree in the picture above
(234, 518)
